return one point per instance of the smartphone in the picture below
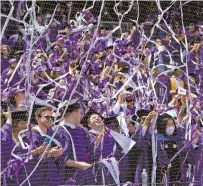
(47, 141)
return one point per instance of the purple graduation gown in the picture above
(50, 170)
(163, 93)
(14, 82)
(53, 34)
(137, 158)
(81, 142)
(6, 144)
(201, 54)
(140, 157)
(191, 65)
(196, 160)
(4, 63)
(96, 154)
(41, 43)
(167, 147)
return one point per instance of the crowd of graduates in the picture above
(144, 85)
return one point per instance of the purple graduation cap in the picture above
(59, 38)
(18, 89)
(12, 60)
(14, 91)
(4, 41)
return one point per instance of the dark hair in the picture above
(139, 114)
(72, 108)
(17, 116)
(86, 119)
(162, 122)
(134, 119)
(142, 112)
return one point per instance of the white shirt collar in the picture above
(95, 131)
(65, 123)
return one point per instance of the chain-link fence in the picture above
(135, 70)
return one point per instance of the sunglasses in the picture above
(50, 118)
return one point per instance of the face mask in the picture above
(160, 48)
(170, 130)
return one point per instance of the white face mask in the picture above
(170, 130)
(160, 48)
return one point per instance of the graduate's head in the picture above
(41, 57)
(95, 121)
(130, 97)
(132, 124)
(131, 127)
(177, 72)
(39, 19)
(68, 29)
(19, 123)
(158, 42)
(73, 114)
(166, 125)
(12, 63)
(155, 72)
(19, 120)
(4, 50)
(191, 27)
(103, 31)
(19, 97)
(60, 50)
(176, 25)
(60, 41)
(44, 117)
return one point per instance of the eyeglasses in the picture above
(50, 118)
